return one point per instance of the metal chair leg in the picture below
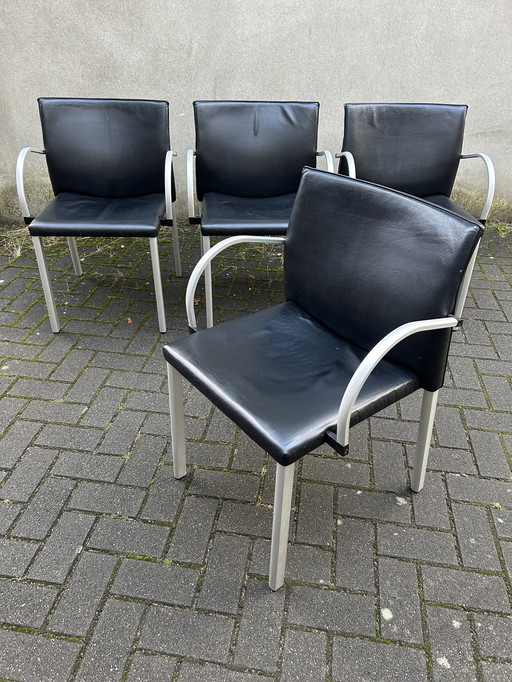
(77, 266)
(280, 524)
(45, 281)
(176, 249)
(428, 413)
(177, 422)
(205, 246)
(155, 262)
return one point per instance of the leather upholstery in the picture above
(414, 148)
(253, 149)
(105, 147)
(84, 216)
(230, 215)
(448, 204)
(359, 260)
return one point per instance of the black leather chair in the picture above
(414, 148)
(110, 165)
(248, 161)
(352, 338)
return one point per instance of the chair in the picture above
(246, 168)
(414, 148)
(352, 338)
(110, 166)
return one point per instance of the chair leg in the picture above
(280, 524)
(428, 412)
(205, 246)
(77, 266)
(155, 262)
(177, 422)
(176, 249)
(47, 286)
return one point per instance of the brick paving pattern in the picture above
(112, 570)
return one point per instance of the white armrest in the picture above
(20, 186)
(491, 182)
(372, 359)
(191, 182)
(328, 159)
(169, 212)
(207, 258)
(351, 164)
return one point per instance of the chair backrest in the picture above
(105, 147)
(414, 148)
(253, 149)
(363, 260)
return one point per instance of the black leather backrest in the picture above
(414, 148)
(105, 147)
(253, 149)
(364, 259)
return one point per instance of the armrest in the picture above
(206, 259)
(20, 186)
(169, 211)
(349, 158)
(370, 362)
(328, 159)
(191, 183)
(491, 182)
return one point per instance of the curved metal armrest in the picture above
(491, 181)
(20, 185)
(328, 159)
(191, 183)
(349, 158)
(206, 259)
(169, 212)
(370, 362)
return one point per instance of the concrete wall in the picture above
(333, 51)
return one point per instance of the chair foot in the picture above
(428, 412)
(177, 422)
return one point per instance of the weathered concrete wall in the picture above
(333, 51)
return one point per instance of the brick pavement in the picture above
(112, 570)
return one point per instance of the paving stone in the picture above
(221, 429)
(194, 672)
(25, 605)
(224, 577)
(492, 421)
(15, 442)
(103, 408)
(87, 385)
(187, 633)
(140, 468)
(246, 519)
(121, 435)
(496, 672)
(257, 644)
(464, 373)
(224, 484)
(304, 656)
(304, 564)
(15, 556)
(465, 588)
(53, 412)
(354, 659)
(503, 522)
(373, 505)
(164, 496)
(205, 454)
(415, 543)
(57, 349)
(129, 537)
(355, 555)
(450, 641)
(27, 474)
(69, 437)
(448, 460)
(110, 644)
(490, 455)
(475, 537)
(392, 429)
(28, 368)
(494, 635)
(314, 525)
(70, 368)
(129, 363)
(499, 390)
(332, 610)
(43, 509)
(389, 470)
(31, 658)
(400, 611)
(89, 467)
(8, 512)
(35, 388)
(62, 547)
(142, 382)
(77, 607)
(150, 667)
(106, 498)
(192, 534)
(430, 508)
(470, 489)
(156, 582)
(248, 455)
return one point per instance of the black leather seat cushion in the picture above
(280, 376)
(445, 202)
(75, 215)
(224, 214)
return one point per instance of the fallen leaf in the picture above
(129, 320)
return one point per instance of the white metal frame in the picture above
(75, 258)
(491, 182)
(351, 164)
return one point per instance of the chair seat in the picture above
(225, 215)
(78, 215)
(444, 202)
(280, 375)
